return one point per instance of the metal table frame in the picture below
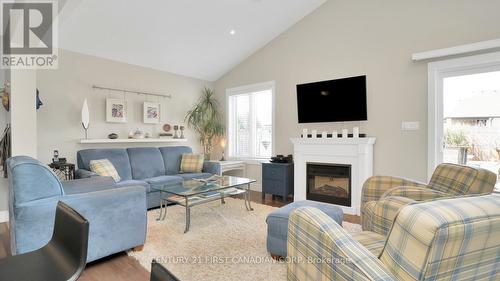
(187, 205)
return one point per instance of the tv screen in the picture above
(332, 101)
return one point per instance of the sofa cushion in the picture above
(88, 185)
(189, 176)
(117, 156)
(104, 168)
(162, 180)
(191, 163)
(172, 158)
(146, 162)
(372, 241)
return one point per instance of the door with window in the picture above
(250, 118)
(466, 125)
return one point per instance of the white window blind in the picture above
(250, 121)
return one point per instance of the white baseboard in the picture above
(4, 216)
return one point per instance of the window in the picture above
(250, 121)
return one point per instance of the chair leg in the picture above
(138, 248)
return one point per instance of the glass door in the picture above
(470, 127)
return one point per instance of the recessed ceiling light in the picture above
(232, 32)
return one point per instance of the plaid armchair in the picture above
(450, 239)
(382, 196)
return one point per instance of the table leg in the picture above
(222, 201)
(188, 216)
(247, 199)
(161, 209)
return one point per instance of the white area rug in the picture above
(225, 242)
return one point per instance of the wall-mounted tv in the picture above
(332, 101)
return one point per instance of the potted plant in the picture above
(456, 143)
(205, 119)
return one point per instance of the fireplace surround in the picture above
(356, 153)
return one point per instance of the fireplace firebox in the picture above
(329, 183)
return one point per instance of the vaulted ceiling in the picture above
(197, 38)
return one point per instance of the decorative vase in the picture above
(85, 118)
(176, 131)
(182, 132)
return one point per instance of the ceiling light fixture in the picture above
(232, 32)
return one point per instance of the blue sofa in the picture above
(144, 166)
(117, 216)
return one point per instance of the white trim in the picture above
(245, 90)
(4, 216)
(457, 50)
(437, 72)
(144, 140)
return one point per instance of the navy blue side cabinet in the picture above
(277, 179)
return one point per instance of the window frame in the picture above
(248, 89)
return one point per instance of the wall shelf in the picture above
(145, 140)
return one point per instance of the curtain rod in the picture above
(131, 92)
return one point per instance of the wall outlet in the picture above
(410, 125)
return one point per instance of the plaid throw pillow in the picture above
(104, 168)
(192, 163)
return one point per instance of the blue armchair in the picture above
(117, 216)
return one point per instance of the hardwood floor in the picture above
(121, 267)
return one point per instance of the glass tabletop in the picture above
(196, 186)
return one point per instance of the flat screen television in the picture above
(332, 101)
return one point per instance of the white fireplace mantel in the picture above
(357, 152)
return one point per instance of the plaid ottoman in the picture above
(277, 224)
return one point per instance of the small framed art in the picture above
(116, 111)
(151, 113)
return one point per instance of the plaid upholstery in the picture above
(448, 180)
(320, 249)
(452, 239)
(383, 212)
(449, 239)
(415, 193)
(192, 163)
(376, 186)
(372, 241)
(460, 180)
(104, 168)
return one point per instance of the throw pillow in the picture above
(104, 167)
(192, 163)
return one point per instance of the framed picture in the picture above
(116, 111)
(151, 113)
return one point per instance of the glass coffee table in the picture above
(191, 193)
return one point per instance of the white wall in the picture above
(63, 91)
(375, 38)
(23, 112)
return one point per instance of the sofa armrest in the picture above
(117, 219)
(374, 187)
(380, 215)
(82, 174)
(212, 167)
(415, 192)
(88, 185)
(320, 249)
